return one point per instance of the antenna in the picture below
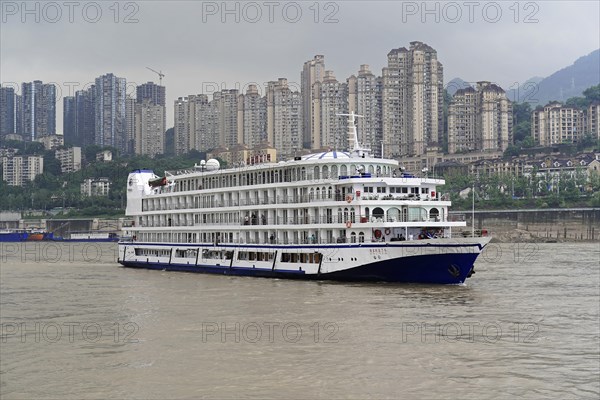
(160, 75)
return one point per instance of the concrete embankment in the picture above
(575, 224)
(63, 227)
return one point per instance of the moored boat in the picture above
(13, 235)
(91, 237)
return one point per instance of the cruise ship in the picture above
(334, 215)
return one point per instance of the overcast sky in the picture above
(197, 43)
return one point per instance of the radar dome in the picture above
(212, 165)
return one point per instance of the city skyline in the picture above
(504, 51)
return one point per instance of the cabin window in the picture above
(334, 172)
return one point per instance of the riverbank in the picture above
(548, 225)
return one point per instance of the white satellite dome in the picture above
(212, 165)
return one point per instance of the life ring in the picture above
(348, 224)
(349, 198)
(387, 231)
(377, 233)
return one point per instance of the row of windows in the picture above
(396, 189)
(278, 176)
(256, 256)
(310, 258)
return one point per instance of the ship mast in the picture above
(355, 147)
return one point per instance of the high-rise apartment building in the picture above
(196, 123)
(95, 187)
(207, 116)
(480, 119)
(152, 92)
(181, 121)
(284, 119)
(496, 117)
(252, 112)
(70, 120)
(364, 98)
(130, 124)
(555, 124)
(149, 128)
(313, 71)
(593, 120)
(7, 111)
(227, 103)
(85, 118)
(18, 170)
(110, 115)
(38, 110)
(18, 114)
(70, 159)
(331, 99)
(463, 121)
(412, 100)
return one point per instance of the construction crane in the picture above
(160, 75)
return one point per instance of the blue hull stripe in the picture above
(434, 268)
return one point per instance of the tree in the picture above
(89, 152)
(592, 94)
(528, 142)
(511, 151)
(170, 142)
(521, 122)
(51, 164)
(587, 141)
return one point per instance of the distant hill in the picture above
(528, 90)
(561, 85)
(456, 84)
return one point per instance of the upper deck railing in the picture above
(347, 200)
